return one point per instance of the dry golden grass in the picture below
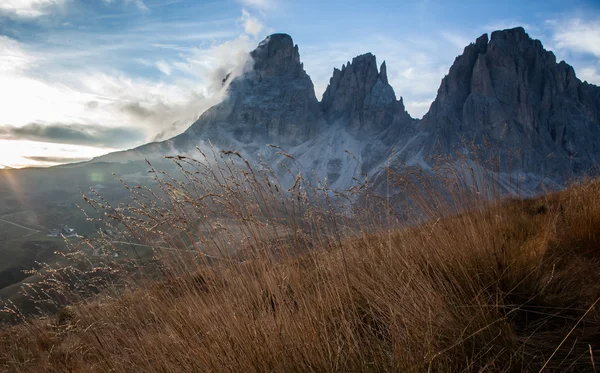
(505, 286)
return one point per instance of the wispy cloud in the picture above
(32, 9)
(577, 40)
(67, 93)
(164, 67)
(458, 40)
(138, 3)
(252, 25)
(590, 74)
(28, 8)
(211, 65)
(90, 96)
(577, 35)
(55, 159)
(76, 134)
(260, 4)
(13, 58)
(86, 89)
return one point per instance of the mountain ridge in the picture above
(504, 89)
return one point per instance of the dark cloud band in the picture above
(77, 134)
(56, 159)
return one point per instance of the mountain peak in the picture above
(482, 42)
(510, 90)
(512, 34)
(361, 98)
(273, 102)
(277, 55)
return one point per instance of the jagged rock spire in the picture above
(360, 97)
(383, 73)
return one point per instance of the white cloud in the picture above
(252, 25)
(82, 81)
(164, 67)
(577, 35)
(12, 57)
(590, 74)
(419, 107)
(214, 63)
(28, 8)
(37, 8)
(577, 41)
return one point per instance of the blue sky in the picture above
(79, 78)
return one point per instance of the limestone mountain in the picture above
(506, 90)
(510, 91)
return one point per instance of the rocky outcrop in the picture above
(510, 93)
(361, 98)
(273, 101)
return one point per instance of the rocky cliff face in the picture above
(360, 98)
(510, 92)
(273, 101)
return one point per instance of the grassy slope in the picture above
(508, 287)
(43, 199)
